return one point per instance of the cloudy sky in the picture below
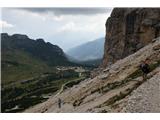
(66, 27)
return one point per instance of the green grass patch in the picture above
(36, 87)
(73, 82)
(21, 66)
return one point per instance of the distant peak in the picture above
(40, 40)
(20, 36)
(4, 34)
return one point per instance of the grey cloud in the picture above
(68, 11)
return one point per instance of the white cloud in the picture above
(87, 24)
(71, 26)
(57, 18)
(35, 15)
(5, 24)
(75, 27)
(67, 11)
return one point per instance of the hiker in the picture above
(59, 103)
(144, 66)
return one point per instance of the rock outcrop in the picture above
(128, 30)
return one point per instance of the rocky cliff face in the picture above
(128, 30)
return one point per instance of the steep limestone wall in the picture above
(128, 30)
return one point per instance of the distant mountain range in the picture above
(89, 51)
(44, 51)
(23, 57)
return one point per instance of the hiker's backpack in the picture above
(145, 68)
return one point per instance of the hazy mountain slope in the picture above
(103, 92)
(88, 51)
(23, 57)
(50, 54)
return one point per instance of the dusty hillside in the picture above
(128, 30)
(145, 98)
(108, 92)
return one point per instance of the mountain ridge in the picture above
(23, 58)
(91, 50)
(38, 48)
